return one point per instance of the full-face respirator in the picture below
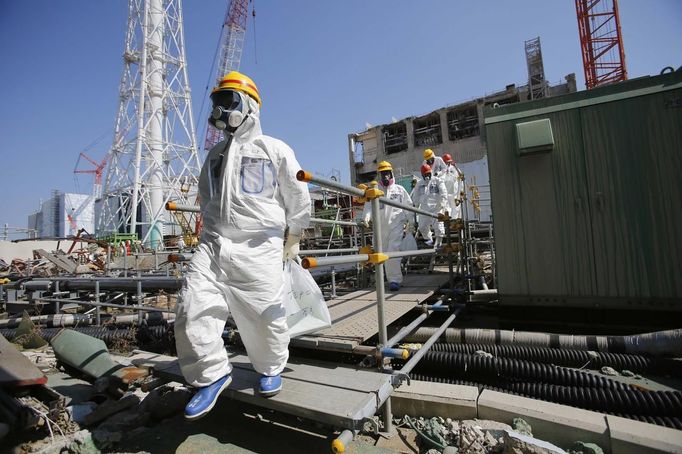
(230, 109)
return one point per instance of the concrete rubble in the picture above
(101, 421)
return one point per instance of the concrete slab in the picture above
(559, 424)
(427, 399)
(628, 436)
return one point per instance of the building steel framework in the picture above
(601, 42)
(537, 85)
(154, 154)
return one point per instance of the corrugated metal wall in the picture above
(596, 221)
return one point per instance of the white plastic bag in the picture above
(307, 311)
(408, 243)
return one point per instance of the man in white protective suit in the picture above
(249, 196)
(392, 221)
(435, 162)
(430, 195)
(451, 177)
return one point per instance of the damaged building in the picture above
(457, 130)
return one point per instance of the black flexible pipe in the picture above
(570, 358)
(110, 336)
(458, 365)
(592, 399)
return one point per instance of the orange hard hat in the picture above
(426, 169)
(447, 158)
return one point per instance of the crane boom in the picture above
(232, 43)
(601, 42)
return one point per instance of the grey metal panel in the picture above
(634, 155)
(505, 191)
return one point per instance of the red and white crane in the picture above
(601, 42)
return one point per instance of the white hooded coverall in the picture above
(453, 185)
(249, 196)
(392, 220)
(430, 195)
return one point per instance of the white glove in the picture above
(291, 247)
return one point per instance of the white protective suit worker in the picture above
(435, 162)
(430, 195)
(392, 220)
(249, 196)
(453, 183)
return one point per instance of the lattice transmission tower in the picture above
(601, 42)
(154, 156)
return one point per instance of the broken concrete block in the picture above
(580, 447)
(82, 443)
(105, 439)
(522, 427)
(517, 443)
(80, 411)
(111, 407)
(606, 370)
(125, 421)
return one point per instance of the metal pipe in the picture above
(482, 295)
(379, 273)
(120, 306)
(56, 303)
(311, 262)
(333, 295)
(97, 311)
(397, 254)
(172, 206)
(302, 175)
(308, 177)
(327, 251)
(332, 221)
(405, 330)
(407, 368)
(149, 283)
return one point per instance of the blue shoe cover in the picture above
(393, 286)
(205, 398)
(269, 386)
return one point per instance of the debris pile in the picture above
(486, 437)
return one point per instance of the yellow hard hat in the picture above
(384, 165)
(428, 153)
(237, 81)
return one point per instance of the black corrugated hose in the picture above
(570, 358)
(473, 367)
(615, 402)
(141, 335)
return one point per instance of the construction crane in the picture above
(601, 42)
(231, 44)
(97, 171)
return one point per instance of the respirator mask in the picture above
(230, 109)
(386, 178)
(426, 176)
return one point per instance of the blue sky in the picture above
(323, 68)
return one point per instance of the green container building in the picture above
(587, 197)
